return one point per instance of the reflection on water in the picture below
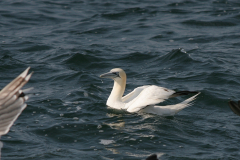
(144, 155)
(113, 150)
(106, 142)
(117, 126)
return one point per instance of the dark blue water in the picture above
(178, 44)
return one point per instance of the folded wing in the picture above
(149, 96)
(130, 96)
(12, 101)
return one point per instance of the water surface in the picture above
(178, 44)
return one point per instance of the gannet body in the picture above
(143, 98)
(12, 101)
(235, 107)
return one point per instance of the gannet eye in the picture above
(116, 73)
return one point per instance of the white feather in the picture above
(141, 98)
(170, 110)
(11, 105)
(149, 96)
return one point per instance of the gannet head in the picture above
(119, 77)
(116, 74)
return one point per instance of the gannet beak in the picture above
(109, 75)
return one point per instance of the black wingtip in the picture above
(235, 107)
(180, 93)
(21, 95)
(152, 157)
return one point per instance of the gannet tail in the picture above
(170, 110)
(188, 102)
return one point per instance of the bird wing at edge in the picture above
(11, 101)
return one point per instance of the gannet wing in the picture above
(149, 96)
(235, 107)
(130, 96)
(170, 110)
(12, 101)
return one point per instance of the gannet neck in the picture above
(115, 98)
(117, 91)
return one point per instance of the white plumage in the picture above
(143, 98)
(12, 101)
(169, 110)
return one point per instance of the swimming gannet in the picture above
(235, 107)
(12, 101)
(143, 98)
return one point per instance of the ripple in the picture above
(106, 142)
(84, 60)
(36, 48)
(176, 54)
(209, 23)
(68, 44)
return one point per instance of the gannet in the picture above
(143, 98)
(235, 107)
(12, 101)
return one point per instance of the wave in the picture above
(36, 48)
(177, 58)
(215, 23)
(84, 61)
